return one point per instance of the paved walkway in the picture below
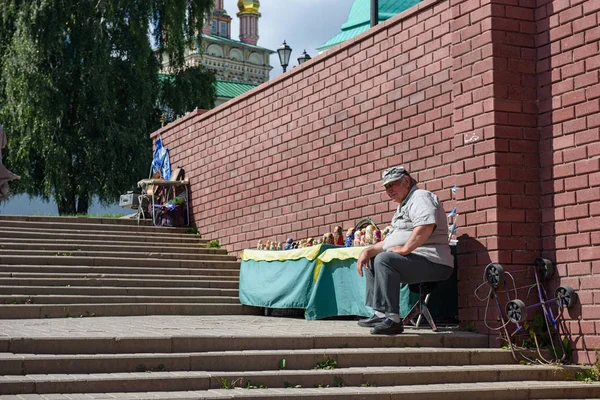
(188, 326)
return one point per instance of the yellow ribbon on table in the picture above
(342, 253)
(310, 253)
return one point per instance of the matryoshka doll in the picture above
(349, 241)
(338, 237)
(377, 236)
(357, 238)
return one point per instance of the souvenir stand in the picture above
(172, 187)
(320, 279)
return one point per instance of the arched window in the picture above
(256, 59)
(236, 54)
(214, 50)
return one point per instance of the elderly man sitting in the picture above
(416, 250)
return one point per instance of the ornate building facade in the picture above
(240, 65)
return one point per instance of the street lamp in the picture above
(284, 52)
(304, 57)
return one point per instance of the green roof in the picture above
(232, 89)
(227, 89)
(236, 43)
(359, 18)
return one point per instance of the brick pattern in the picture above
(568, 69)
(305, 152)
(500, 97)
(496, 138)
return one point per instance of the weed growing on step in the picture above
(339, 382)
(368, 384)
(66, 254)
(291, 385)
(249, 385)
(227, 384)
(192, 231)
(158, 368)
(470, 327)
(213, 244)
(587, 376)
(67, 315)
(281, 364)
(592, 374)
(327, 363)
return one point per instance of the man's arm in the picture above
(366, 255)
(418, 236)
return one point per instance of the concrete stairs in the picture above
(168, 325)
(259, 357)
(52, 267)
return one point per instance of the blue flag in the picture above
(161, 161)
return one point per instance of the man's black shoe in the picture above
(387, 327)
(370, 322)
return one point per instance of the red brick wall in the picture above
(449, 89)
(305, 151)
(568, 68)
(496, 155)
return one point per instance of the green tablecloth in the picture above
(320, 279)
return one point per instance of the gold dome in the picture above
(249, 6)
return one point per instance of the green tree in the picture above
(80, 90)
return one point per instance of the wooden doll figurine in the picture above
(259, 245)
(369, 238)
(357, 238)
(377, 236)
(338, 237)
(349, 237)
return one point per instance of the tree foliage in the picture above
(80, 90)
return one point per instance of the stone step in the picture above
(80, 220)
(115, 291)
(249, 360)
(83, 226)
(83, 275)
(71, 269)
(88, 299)
(216, 340)
(524, 390)
(115, 247)
(468, 391)
(99, 237)
(29, 311)
(119, 282)
(350, 377)
(77, 260)
(120, 253)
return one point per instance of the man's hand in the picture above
(363, 261)
(398, 249)
(366, 255)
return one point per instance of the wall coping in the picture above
(331, 53)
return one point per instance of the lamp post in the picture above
(304, 57)
(374, 12)
(284, 52)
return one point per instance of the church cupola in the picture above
(249, 16)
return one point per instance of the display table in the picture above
(321, 279)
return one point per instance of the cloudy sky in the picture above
(303, 24)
